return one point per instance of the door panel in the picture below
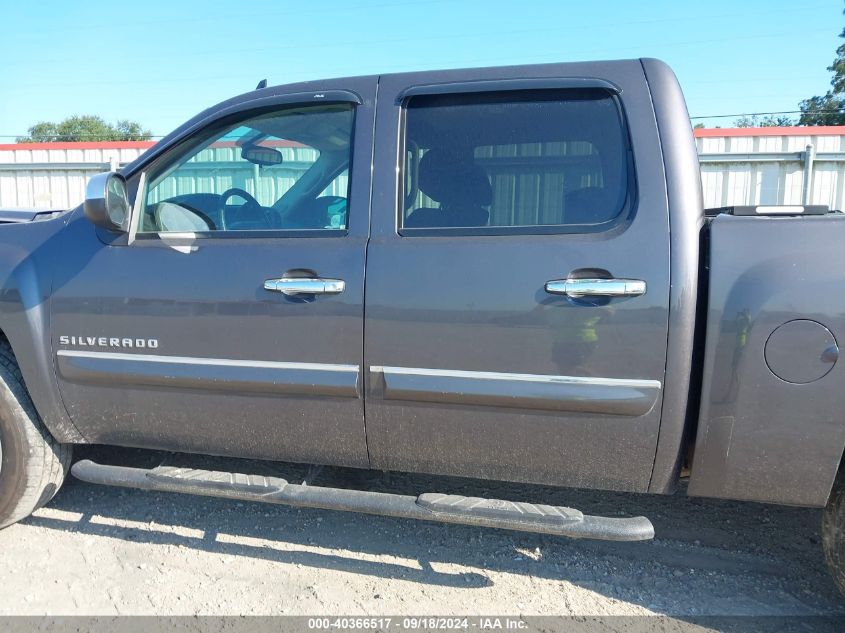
(173, 341)
(473, 367)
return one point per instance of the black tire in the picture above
(33, 465)
(833, 531)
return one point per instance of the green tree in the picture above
(85, 128)
(767, 121)
(132, 131)
(828, 109)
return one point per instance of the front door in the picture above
(232, 321)
(518, 276)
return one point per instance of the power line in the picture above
(463, 34)
(741, 114)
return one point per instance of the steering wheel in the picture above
(231, 193)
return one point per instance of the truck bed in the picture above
(770, 426)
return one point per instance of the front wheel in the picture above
(33, 465)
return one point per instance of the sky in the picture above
(160, 62)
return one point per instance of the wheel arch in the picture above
(26, 263)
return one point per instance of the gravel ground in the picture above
(100, 550)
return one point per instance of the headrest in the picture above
(452, 179)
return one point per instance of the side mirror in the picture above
(261, 156)
(107, 202)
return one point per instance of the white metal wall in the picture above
(54, 178)
(217, 169)
(735, 169)
(784, 169)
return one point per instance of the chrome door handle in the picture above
(596, 287)
(305, 286)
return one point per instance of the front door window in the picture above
(287, 170)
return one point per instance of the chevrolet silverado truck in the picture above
(500, 273)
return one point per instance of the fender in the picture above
(29, 253)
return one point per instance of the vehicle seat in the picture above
(173, 217)
(461, 188)
(316, 213)
(590, 205)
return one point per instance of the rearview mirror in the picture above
(107, 202)
(263, 156)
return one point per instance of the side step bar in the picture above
(508, 515)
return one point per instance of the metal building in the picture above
(772, 165)
(53, 175)
(776, 165)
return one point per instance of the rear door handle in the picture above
(305, 286)
(596, 287)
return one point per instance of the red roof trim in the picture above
(816, 130)
(811, 130)
(80, 145)
(127, 145)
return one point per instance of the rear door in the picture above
(518, 276)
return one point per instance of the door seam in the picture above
(363, 375)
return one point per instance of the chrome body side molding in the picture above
(612, 396)
(216, 374)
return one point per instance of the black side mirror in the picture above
(107, 202)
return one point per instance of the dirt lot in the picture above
(98, 550)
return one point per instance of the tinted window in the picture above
(528, 159)
(286, 170)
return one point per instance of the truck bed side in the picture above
(770, 427)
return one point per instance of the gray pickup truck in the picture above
(499, 273)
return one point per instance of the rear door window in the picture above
(521, 162)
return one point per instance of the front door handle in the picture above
(596, 287)
(305, 286)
